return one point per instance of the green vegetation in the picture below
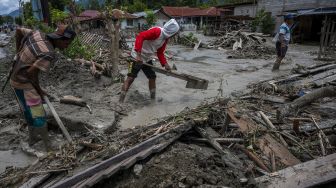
(6, 19)
(263, 20)
(79, 50)
(58, 16)
(150, 18)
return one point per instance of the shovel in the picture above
(193, 82)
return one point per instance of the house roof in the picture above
(119, 14)
(224, 3)
(90, 13)
(188, 11)
(143, 14)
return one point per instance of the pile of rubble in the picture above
(243, 45)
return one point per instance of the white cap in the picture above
(171, 28)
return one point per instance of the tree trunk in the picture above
(113, 27)
(329, 91)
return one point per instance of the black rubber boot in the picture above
(32, 136)
(122, 96)
(43, 132)
(152, 94)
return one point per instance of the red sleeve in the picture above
(160, 54)
(150, 34)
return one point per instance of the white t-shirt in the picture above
(284, 29)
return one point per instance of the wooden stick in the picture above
(253, 157)
(273, 161)
(57, 118)
(321, 144)
(270, 124)
(322, 133)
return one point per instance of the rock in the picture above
(181, 185)
(137, 169)
(157, 160)
(190, 180)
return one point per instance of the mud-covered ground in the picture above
(226, 77)
(180, 165)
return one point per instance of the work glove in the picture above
(167, 67)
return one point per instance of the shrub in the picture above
(263, 20)
(79, 50)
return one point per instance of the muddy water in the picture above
(213, 65)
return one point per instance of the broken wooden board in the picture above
(125, 159)
(245, 125)
(268, 98)
(269, 145)
(266, 143)
(295, 77)
(307, 174)
(325, 81)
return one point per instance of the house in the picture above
(93, 19)
(310, 13)
(193, 17)
(140, 20)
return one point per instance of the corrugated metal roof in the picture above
(143, 14)
(188, 11)
(90, 13)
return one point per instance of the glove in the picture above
(167, 67)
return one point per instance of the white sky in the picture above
(7, 6)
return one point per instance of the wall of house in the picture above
(245, 10)
(161, 19)
(276, 7)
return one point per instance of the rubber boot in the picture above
(43, 132)
(152, 88)
(32, 136)
(122, 96)
(152, 94)
(276, 65)
(127, 84)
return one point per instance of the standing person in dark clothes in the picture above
(283, 38)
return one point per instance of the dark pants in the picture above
(281, 51)
(134, 68)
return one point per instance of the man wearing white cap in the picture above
(147, 44)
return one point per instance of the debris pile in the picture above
(242, 139)
(230, 25)
(243, 45)
(187, 40)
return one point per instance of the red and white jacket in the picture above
(149, 43)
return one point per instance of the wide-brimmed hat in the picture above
(62, 31)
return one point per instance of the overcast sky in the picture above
(7, 6)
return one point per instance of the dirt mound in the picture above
(181, 165)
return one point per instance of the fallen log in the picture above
(68, 99)
(329, 91)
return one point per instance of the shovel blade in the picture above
(197, 84)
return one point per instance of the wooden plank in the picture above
(324, 81)
(295, 77)
(268, 145)
(245, 125)
(307, 174)
(316, 77)
(117, 159)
